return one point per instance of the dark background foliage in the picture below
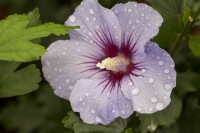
(42, 112)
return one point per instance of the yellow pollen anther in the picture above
(115, 64)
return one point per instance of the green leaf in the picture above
(186, 14)
(73, 122)
(129, 130)
(34, 17)
(166, 117)
(171, 11)
(18, 82)
(169, 7)
(188, 81)
(190, 120)
(38, 113)
(194, 45)
(16, 36)
(70, 120)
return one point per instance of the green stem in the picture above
(184, 33)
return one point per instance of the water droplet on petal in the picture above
(72, 18)
(97, 119)
(130, 83)
(130, 10)
(139, 109)
(59, 87)
(86, 94)
(165, 97)
(116, 11)
(160, 106)
(67, 80)
(172, 65)
(94, 18)
(154, 99)
(144, 70)
(113, 111)
(64, 53)
(135, 91)
(49, 76)
(80, 99)
(130, 22)
(137, 21)
(166, 71)
(150, 109)
(123, 112)
(108, 94)
(161, 63)
(168, 86)
(151, 80)
(93, 111)
(87, 19)
(91, 11)
(169, 77)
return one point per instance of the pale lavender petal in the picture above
(65, 62)
(150, 90)
(98, 106)
(139, 23)
(98, 25)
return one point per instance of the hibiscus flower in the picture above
(109, 68)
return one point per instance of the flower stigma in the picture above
(115, 64)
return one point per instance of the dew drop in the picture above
(97, 119)
(166, 71)
(165, 97)
(137, 21)
(142, 14)
(161, 63)
(49, 76)
(67, 80)
(139, 109)
(150, 109)
(123, 112)
(108, 94)
(87, 19)
(80, 99)
(151, 80)
(169, 77)
(86, 94)
(168, 86)
(130, 84)
(64, 53)
(72, 18)
(136, 91)
(154, 99)
(59, 87)
(91, 11)
(113, 111)
(144, 70)
(93, 111)
(130, 10)
(116, 11)
(94, 18)
(160, 106)
(90, 33)
(130, 22)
